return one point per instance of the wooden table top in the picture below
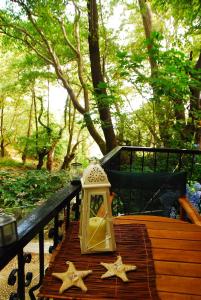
(133, 245)
(176, 250)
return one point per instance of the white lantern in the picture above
(96, 227)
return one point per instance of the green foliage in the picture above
(169, 87)
(188, 11)
(9, 162)
(44, 140)
(172, 77)
(28, 188)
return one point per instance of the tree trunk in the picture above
(41, 153)
(147, 24)
(165, 136)
(2, 148)
(1, 131)
(24, 154)
(195, 107)
(71, 150)
(41, 156)
(35, 117)
(97, 77)
(67, 160)
(50, 159)
(50, 155)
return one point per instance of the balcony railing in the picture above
(59, 206)
(143, 159)
(34, 224)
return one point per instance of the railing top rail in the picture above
(118, 149)
(170, 150)
(36, 220)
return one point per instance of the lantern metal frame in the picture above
(95, 184)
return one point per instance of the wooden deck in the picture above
(176, 249)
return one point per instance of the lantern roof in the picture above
(95, 176)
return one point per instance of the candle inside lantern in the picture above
(96, 233)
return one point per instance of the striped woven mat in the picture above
(134, 246)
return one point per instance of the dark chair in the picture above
(149, 193)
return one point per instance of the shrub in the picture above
(25, 190)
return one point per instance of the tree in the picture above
(97, 77)
(2, 131)
(25, 150)
(186, 11)
(44, 33)
(79, 50)
(10, 99)
(183, 68)
(71, 145)
(188, 15)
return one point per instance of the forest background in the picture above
(104, 57)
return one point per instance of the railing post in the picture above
(68, 215)
(41, 265)
(56, 231)
(21, 276)
(77, 212)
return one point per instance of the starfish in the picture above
(117, 269)
(72, 277)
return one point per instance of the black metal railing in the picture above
(150, 180)
(121, 158)
(144, 159)
(31, 226)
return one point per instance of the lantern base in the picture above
(85, 252)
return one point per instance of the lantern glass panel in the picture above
(97, 226)
(96, 202)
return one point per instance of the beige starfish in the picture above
(72, 277)
(117, 269)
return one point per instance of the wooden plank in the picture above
(178, 268)
(169, 234)
(175, 296)
(148, 218)
(176, 244)
(179, 226)
(179, 284)
(177, 255)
